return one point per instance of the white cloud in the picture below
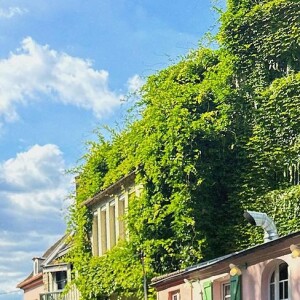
(36, 69)
(11, 12)
(16, 253)
(34, 180)
(134, 83)
(32, 191)
(39, 167)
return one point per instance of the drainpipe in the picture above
(144, 276)
(262, 220)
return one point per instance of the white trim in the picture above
(290, 283)
(175, 295)
(275, 270)
(57, 268)
(224, 297)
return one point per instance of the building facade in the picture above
(109, 208)
(270, 271)
(32, 286)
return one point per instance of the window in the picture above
(226, 291)
(61, 279)
(279, 283)
(175, 295)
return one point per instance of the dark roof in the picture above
(56, 251)
(52, 248)
(213, 262)
(111, 189)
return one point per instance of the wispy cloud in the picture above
(36, 69)
(11, 12)
(134, 83)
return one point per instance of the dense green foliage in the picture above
(218, 133)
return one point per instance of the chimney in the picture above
(262, 220)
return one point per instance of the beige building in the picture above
(109, 208)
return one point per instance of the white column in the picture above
(126, 199)
(108, 226)
(103, 232)
(126, 202)
(95, 248)
(112, 223)
(99, 232)
(121, 215)
(117, 220)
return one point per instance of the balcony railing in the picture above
(71, 295)
(52, 296)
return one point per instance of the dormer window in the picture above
(37, 265)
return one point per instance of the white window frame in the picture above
(224, 296)
(175, 295)
(56, 282)
(277, 282)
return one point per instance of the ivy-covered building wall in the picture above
(216, 133)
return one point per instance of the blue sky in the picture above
(64, 68)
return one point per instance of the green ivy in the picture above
(216, 133)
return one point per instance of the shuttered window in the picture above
(207, 290)
(236, 287)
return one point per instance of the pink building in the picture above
(32, 286)
(270, 271)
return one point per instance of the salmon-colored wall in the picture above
(33, 293)
(295, 277)
(218, 288)
(255, 282)
(255, 279)
(185, 292)
(193, 290)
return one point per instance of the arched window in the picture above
(279, 283)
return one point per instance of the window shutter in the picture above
(207, 290)
(235, 287)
